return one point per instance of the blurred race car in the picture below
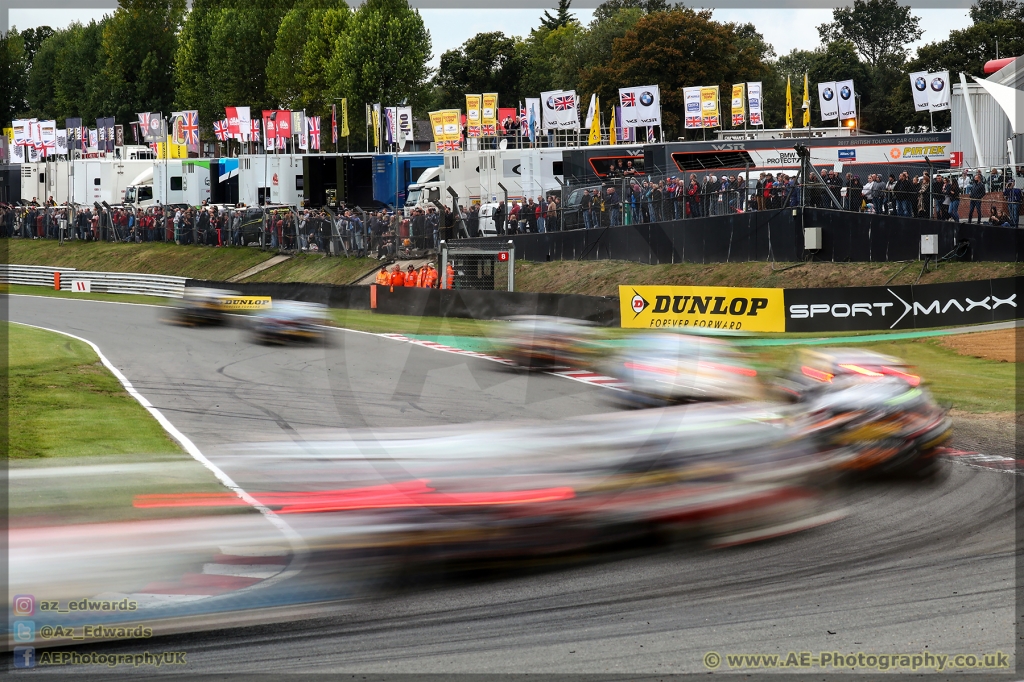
(201, 305)
(290, 321)
(542, 342)
(674, 367)
(869, 411)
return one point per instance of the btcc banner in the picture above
(709, 114)
(901, 307)
(919, 87)
(847, 99)
(938, 91)
(754, 103)
(691, 98)
(245, 302)
(828, 103)
(739, 113)
(724, 308)
(640, 106)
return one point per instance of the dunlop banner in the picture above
(725, 308)
(245, 302)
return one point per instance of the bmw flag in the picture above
(919, 86)
(847, 99)
(641, 106)
(938, 91)
(828, 101)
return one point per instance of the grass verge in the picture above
(307, 267)
(602, 278)
(198, 262)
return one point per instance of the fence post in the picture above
(511, 265)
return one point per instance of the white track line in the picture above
(293, 538)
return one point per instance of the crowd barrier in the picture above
(770, 236)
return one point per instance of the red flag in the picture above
(334, 123)
(232, 116)
(284, 124)
(269, 125)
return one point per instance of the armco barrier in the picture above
(770, 236)
(102, 282)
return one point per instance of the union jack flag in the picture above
(314, 132)
(449, 146)
(190, 127)
(254, 130)
(628, 99)
(564, 102)
(524, 124)
(220, 130)
(737, 119)
(490, 130)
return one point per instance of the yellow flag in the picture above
(789, 105)
(344, 117)
(611, 129)
(376, 125)
(595, 124)
(807, 104)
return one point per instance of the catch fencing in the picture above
(168, 286)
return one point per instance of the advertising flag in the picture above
(375, 120)
(919, 87)
(451, 119)
(938, 90)
(611, 129)
(591, 108)
(244, 125)
(595, 121)
(739, 111)
(548, 113)
(344, 117)
(22, 134)
(48, 137)
(390, 125)
(624, 133)
(473, 115)
(284, 125)
(94, 140)
(185, 129)
(828, 103)
(74, 130)
(405, 131)
(567, 110)
(118, 136)
(109, 123)
(437, 126)
(301, 131)
(691, 101)
(532, 118)
(789, 104)
(847, 99)
(641, 106)
(489, 112)
(806, 104)
(709, 112)
(234, 125)
(334, 123)
(754, 103)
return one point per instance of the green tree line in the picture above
(153, 55)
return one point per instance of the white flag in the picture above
(938, 90)
(590, 112)
(691, 99)
(566, 105)
(22, 132)
(919, 86)
(754, 103)
(404, 125)
(847, 99)
(828, 101)
(549, 115)
(641, 106)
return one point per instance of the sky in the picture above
(785, 29)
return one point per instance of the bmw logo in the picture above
(938, 84)
(828, 94)
(646, 99)
(920, 84)
(550, 103)
(845, 92)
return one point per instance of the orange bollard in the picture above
(373, 297)
(56, 281)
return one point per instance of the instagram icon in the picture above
(24, 605)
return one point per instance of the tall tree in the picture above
(381, 57)
(33, 39)
(297, 68)
(676, 49)
(561, 18)
(984, 11)
(13, 75)
(487, 62)
(139, 43)
(880, 30)
(609, 8)
(192, 71)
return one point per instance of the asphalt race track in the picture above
(912, 568)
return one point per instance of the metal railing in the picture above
(102, 282)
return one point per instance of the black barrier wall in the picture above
(770, 236)
(333, 296)
(902, 307)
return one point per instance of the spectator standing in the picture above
(1013, 196)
